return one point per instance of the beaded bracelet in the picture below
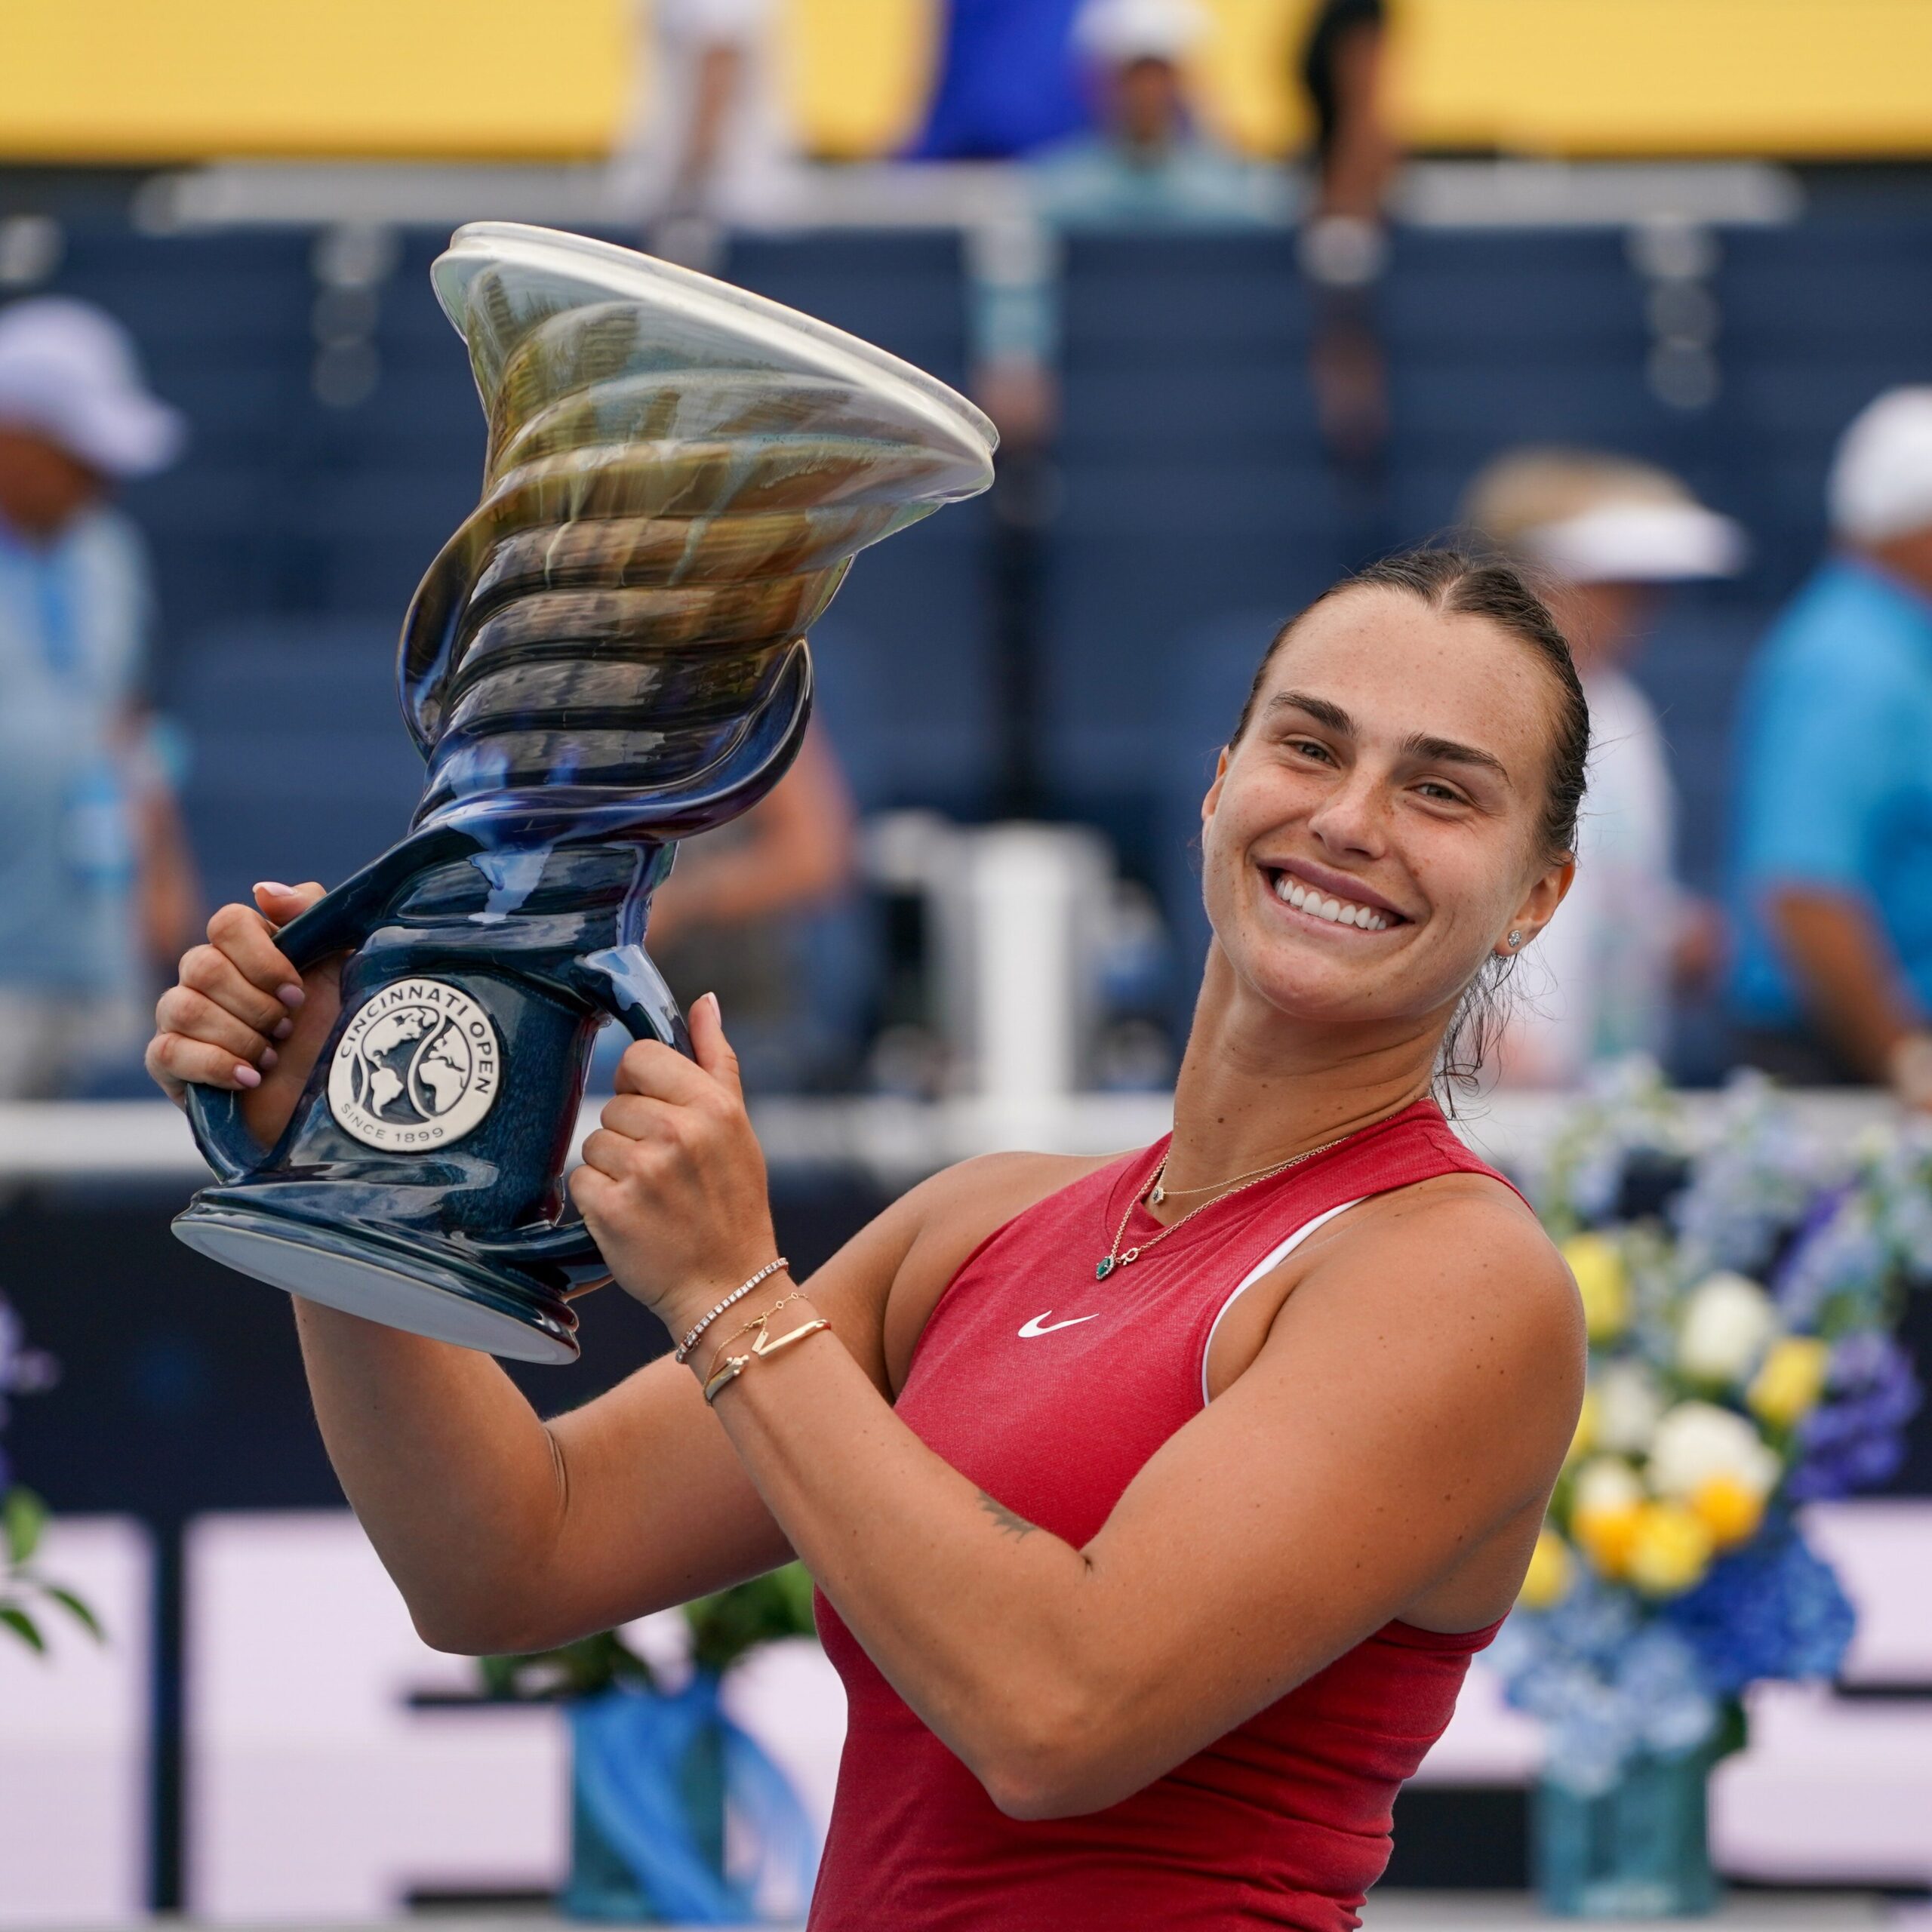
(705, 1321)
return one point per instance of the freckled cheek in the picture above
(1467, 892)
(1262, 804)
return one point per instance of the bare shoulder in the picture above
(1458, 1259)
(1467, 1235)
(991, 1188)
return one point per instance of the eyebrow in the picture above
(1418, 744)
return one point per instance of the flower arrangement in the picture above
(23, 1589)
(658, 1763)
(1740, 1284)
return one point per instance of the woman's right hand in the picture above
(241, 1018)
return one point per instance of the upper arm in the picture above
(1416, 1395)
(657, 1508)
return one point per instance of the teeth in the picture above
(1337, 911)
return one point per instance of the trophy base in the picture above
(413, 1285)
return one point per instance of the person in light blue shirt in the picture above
(95, 886)
(1831, 886)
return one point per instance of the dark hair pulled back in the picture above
(1466, 583)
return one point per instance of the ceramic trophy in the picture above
(608, 656)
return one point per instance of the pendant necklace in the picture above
(1118, 1257)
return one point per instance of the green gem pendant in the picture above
(1105, 1268)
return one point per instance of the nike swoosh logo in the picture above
(1040, 1325)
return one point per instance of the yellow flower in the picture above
(1730, 1508)
(1605, 1504)
(1670, 1549)
(1792, 1379)
(1552, 1570)
(1602, 1282)
(1586, 1426)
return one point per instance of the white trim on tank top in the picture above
(1266, 1265)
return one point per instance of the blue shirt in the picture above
(73, 619)
(1834, 775)
(1008, 81)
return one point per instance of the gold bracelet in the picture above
(735, 1366)
(757, 1321)
(705, 1321)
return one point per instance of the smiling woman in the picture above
(1451, 584)
(1158, 1503)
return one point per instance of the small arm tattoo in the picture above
(1015, 1525)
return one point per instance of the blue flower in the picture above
(1751, 1185)
(1607, 1684)
(1772, 1609)
(1855, 1438)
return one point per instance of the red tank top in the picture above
(1285, 1820)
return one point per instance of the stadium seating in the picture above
(1192, 485)
(1195, 511)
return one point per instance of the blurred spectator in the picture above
(708, 142)
(95, 883)
(1007, 83)
(1146, 166)
(1832, 878)
(1343, 247)
(1601, 532)
(728, 919)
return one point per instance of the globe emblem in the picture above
(416, 1066)
(412, 1065)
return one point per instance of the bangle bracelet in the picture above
(758, 1322)
(705, 1321)
(734, 1366)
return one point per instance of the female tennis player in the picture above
(1157, 1503)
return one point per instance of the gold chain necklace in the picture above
(1115, 1258)
(1159, 1191)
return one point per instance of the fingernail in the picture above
(290, 995)
(282, 1029)
(246, 1075)
(268, 1058)
(270, 885)
(717, 1009)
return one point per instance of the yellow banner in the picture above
(148, 81)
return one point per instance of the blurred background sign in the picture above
(200, 78)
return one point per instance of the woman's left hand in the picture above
(673, 1185)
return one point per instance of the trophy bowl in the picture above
(607, 656)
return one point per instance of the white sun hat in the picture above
(69, 370)
(1881, 484)
(1592, 519)
(1118, 32)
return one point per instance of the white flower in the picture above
(1728, 1322)
(1697, 1443)
(1628, 1405)
(1606, 1485)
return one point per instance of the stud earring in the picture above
(1515, 940)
